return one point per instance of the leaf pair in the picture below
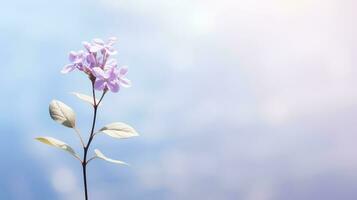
(100, 155)
(119, 130)
(85, 98)
(61, 145)
(64, 115)
(58, 144)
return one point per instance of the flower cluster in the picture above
(96, 62)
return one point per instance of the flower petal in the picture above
(86, 45)
(99, 84)
(111, 51)
(123, 70)
(90, 59)
(79, 57)
(72, 56)
(125, 82)
(113, 73)
(98, 41)
(113, 86)
(99, 73)
(112, 41)
(112, 62)
(68, 68)
(95, 48)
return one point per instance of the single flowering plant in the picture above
(96, 62)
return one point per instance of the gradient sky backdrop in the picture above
(249, 100)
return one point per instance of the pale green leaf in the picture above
(58, 144)
(62, 114)
(119, 130)
(85, 98)
(102, 156)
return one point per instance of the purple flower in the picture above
(90, 61)
(80, 60)
(98, 45)
(76, 59)
(123, 81)
(110, 78)
(106, 79)
(97, 64)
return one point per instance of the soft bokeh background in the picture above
(251, 100)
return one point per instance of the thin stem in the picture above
(78, 158)
(93, 92)
(86, 147)
(92, 158)
(101, 98)
(85, 180)
(79, 135)
(95, 133)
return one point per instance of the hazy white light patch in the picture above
(339, 66)
(63, 180)
(149, 8)
(275, 111)
(293, 7)
(188, 17)
(202, 21)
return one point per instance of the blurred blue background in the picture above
(251, 100)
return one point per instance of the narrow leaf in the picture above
(85, 98)
(58, 144)
(62, 114)
(102, 156)
(119, 130)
